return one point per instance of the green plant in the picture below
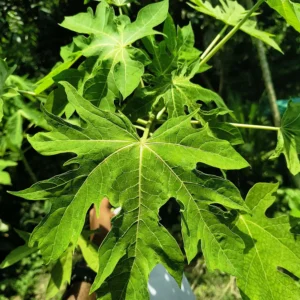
(140, 130)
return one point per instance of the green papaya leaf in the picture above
(289, 138)
(289, 10)
(60, 274)
(89, 252)
(226, 131)
(111, 39)
(272, 252)
(231, 12)
(139, 175)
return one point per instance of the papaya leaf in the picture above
(231, 12)
(289, 10)
(139, 175)
(111, 38)
(289, 138)
(89, 252)
(272, 252)
(60, 274)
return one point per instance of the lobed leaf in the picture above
(272, 253)
(111, 39)
(140, 176)
(231, 12)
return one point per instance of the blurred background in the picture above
(31, 39)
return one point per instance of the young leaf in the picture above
(140, 176)
(111, 39)
(289, 138)
(231, 12)
(289, 10)
(272, 252)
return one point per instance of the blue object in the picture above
(282, 104)
(162, 286)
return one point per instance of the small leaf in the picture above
(289, 138)
(271, 249)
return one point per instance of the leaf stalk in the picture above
(213, 43)
(231, 33)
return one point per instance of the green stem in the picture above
(250, 126)
(148, 127)
(142, 122)
(139, 127)
(120, 11)
(28, 169)
(231, 33)
(216, 39)
(31, 94)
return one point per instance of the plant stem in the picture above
(250, 126)
(139, 127)
(28, 169)
(31, 94)
(231, 33)
(147, 128)
(212, 44)
(142, 122)
(142, 83)
(120, 11)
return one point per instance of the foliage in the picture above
(231, 13)
(95, 113)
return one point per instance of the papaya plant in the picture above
(125, 103)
